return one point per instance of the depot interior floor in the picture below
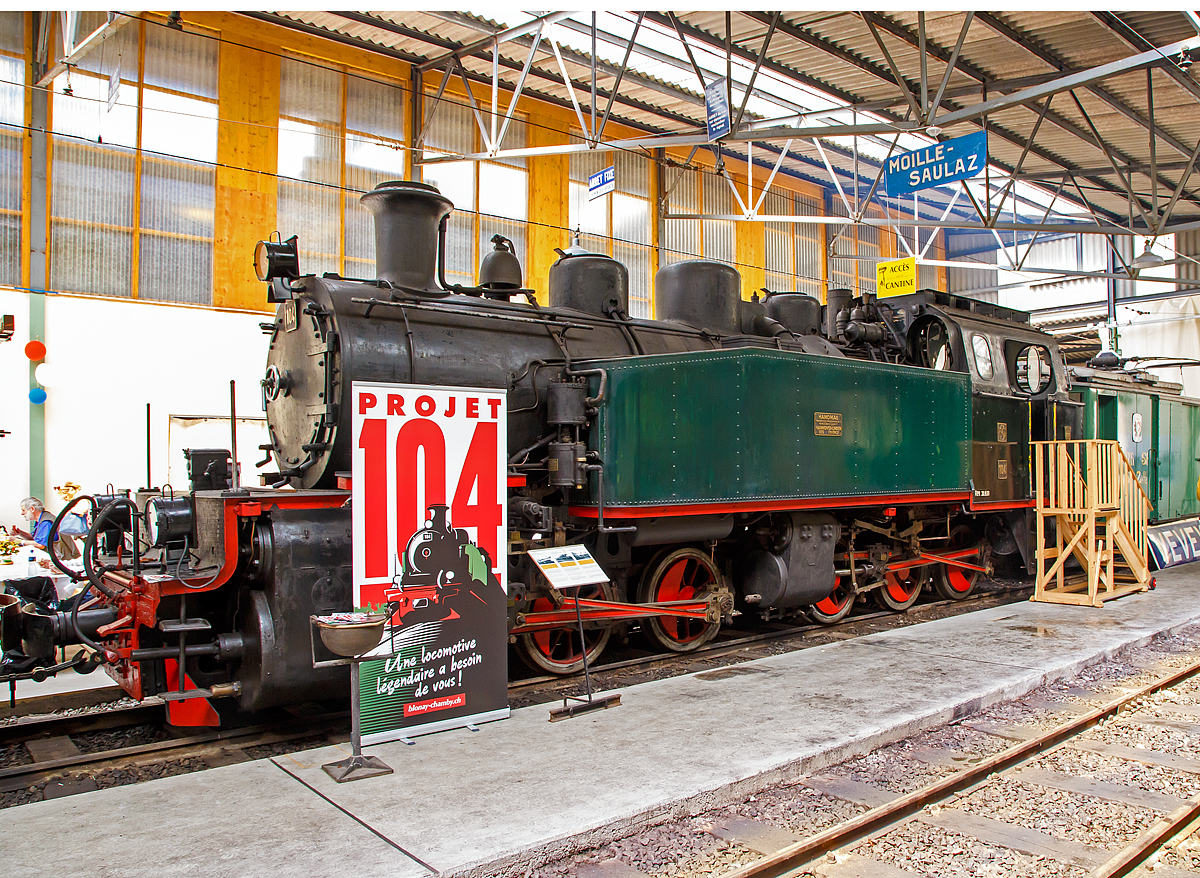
(472, 802)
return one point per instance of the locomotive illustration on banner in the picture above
(732, 459)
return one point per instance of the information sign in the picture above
(716, 104)
(568, 566)
(602, 182)
(428, 511)
(897, 278)
(957, 159)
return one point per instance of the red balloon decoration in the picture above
(35, 350)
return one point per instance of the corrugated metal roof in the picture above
(837, 53)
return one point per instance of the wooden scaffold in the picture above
(1090, 505)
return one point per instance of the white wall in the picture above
(114, 357)
(14, 410)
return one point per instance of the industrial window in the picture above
(12, 118)
(618, 224)
(681, 236)
(719, 235)
(490, 197)
(132, 174)
(810, 248)
(868, 253)
(780, 263)
(983, 356)
(699, 192)
(793, 250)
(340, 134)
(841, 271)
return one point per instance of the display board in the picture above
(428, 502)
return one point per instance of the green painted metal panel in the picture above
(1177, 465)
(744, 425)
(1000, 452)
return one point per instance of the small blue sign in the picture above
(957, 159)
(602, 182)
(716, 103)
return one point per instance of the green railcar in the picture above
(1157, 428)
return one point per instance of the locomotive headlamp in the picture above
(168, 520)
(277, 259)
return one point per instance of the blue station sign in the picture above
(957, 159)
(716, 107)
(602, 182)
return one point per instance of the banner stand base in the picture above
(357, 766)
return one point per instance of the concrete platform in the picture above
(466, 802)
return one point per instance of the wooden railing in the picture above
(1091, 504)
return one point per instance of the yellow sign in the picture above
(897, 278)
(830, 424)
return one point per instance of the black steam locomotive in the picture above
(768, 458)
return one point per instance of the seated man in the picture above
(40, 534)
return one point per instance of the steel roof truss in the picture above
(483, 128)
(520, 87)
(1024, 152)
(1064, 83)
(771, 179)
(951, 65)
(1108, 154)
(901, 83)
(1161, 227)
(834, 177)
(753, 76)
(433, 108)
(570, 86)
(624, 66)
(945, 213)
(1038, 234)
(493, 42)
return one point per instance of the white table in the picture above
(21, 568)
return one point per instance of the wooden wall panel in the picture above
(549, 204)
(247, 157)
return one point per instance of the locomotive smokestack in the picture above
(407, 215)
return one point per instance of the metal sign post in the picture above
(352, 639)
(572, 567)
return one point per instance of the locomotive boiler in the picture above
(762, 458)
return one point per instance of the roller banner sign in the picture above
(429, 516)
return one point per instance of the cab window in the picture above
(1032, 369)
(982, 352)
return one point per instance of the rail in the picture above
(1090, 505)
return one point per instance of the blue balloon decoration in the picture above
(37, 396)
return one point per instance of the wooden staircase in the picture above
(1090, 499)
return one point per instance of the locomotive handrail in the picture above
(468, 312)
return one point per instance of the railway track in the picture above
(52, 754)
(1090, 778)
(795, 859)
